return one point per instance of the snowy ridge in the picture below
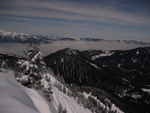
(7, 36)
(13, 95)
(68, 103)
(13, 34)
(15, 98)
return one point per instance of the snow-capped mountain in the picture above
(7, 36)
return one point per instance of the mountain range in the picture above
(7, 36)
(122, 76)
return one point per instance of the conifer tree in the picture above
(60, 109)
(32, 72)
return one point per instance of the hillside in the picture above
(122, 74)
(98, 80)
(16, 98)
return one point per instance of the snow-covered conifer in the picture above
(60, 109)
(32, 72)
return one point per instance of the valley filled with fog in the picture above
(19, 49)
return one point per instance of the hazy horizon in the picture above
(46, 49)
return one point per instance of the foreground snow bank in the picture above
(15, 98)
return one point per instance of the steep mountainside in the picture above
(74, 67)
(133, 68)
(123, 74)
(77, 69)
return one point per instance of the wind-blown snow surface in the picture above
(15, 98)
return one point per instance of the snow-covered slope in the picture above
(68, 103)
(15, 98)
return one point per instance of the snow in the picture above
(36, 66)
(107, 53)
(22, 36)
(27, 64)
(135, 96)
(86, 95)
(137, 52)
(146, 90)
(74, 52)
(94, 65)
(135, 61)
(69, 103)
(45, 83)
(125, 80)
(114, 108)
(5, 33)
(15, 98)
(62, 60)
(38, 101)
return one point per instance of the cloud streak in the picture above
(75, 11)
(86, 12)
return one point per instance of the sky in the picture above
(110, 19)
